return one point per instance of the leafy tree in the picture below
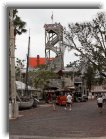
(19, 28)
(18, 69)
(19, 25)
(41, 77)
(89, 76)
(42, 67)
(75, 66)
(89, 40)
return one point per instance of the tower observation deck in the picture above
(54, 44)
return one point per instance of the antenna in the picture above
(29, 32)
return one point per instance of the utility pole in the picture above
(26, 87)
(14, 105)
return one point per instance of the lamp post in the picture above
(13, 107)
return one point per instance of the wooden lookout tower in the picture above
(54, 44)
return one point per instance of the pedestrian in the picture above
(53, 98)
(68, 102)
(49, 97)
(100, 103)
(104, 98)
(46, 99)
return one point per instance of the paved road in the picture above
(83, 121)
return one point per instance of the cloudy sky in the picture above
(36, 18)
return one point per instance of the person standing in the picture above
(100, 103)
(49, 97)
(53, 98)
(69, 102)
(104, 98)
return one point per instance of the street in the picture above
(42, 122)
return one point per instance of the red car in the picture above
(61, 100)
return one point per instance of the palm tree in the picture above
(19, 25)
(19, 28)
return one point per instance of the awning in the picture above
(21, 86)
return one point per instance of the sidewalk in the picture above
(45, 137)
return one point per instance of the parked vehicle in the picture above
(85, 97)
(61, 100)
(35, 103)
(82, 99)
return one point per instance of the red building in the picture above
(36, 61)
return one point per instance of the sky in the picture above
(35, 20)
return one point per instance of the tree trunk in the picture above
(14, 105)
(12, 58)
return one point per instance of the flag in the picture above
(52, 16)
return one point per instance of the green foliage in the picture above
(89, 76)
(75, 66)
(43, 66)
(19, 25)
(41, 77)
(19, 65)
(17, 73)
